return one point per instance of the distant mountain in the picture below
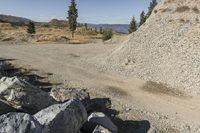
(121, 28)
(13, 19)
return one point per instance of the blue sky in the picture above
(90, 11)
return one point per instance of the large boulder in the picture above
(63, 118)
(19, 123)
(62, 95)
(102, 120)
(22, 95)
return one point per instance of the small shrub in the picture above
(107, 34)
(31, 28)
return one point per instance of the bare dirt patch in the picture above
(116, 91)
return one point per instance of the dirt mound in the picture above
(166, 48)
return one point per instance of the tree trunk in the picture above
(72, 34)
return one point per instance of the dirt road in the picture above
(68, 63)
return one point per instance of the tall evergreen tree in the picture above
(101, 30)
(96, 29)
(31, 28)
(86, 26)
(142, 18)
(133, 25)
(152, 5)
(72, 17)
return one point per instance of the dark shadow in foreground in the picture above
(124, 126)
(30, 75)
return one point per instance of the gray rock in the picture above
(63, 118)
(100, 129)
(101, 119)
(22, 95)
(62, 95)
(19, 123)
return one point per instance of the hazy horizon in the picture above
(90, 11)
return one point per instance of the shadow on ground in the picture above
(98, 104)
(124, 126)
(30, 75)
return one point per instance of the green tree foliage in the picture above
(152, 5)
(132, 26)
(31, 28)
(101, 30)
(96, 29)
(72, 17)
(142, 18)
(107, 34)
(86, 26)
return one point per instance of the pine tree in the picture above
(101, 30)
(86, 26)
(72, 17)
(133, 25)
(95, 29)
(152, 5)
(31, 28)
(107, 34)
(142, 18)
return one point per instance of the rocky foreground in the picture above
(24, 108)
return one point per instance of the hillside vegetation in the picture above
(46, 33)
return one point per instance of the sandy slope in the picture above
(68, 63)
(165, 49)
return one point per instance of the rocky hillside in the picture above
(166, 48)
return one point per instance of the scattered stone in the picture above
(63, 118)
(22, 95)
(19, 123)
(100, 129)
(128, 109)
(101, 119)
(62, 95)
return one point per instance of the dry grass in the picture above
(47, 34)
